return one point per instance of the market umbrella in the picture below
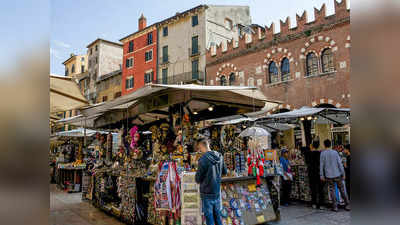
(254, 132)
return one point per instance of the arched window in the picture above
(285, 69)
(312, 64)
(327, 61)
(273, 73)
(223, 80)
(232, 79)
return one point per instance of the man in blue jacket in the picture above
(210, 168)
(332, 171)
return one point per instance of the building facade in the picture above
(184, 38)
(104, 57)
(109, 86)
(308, 65)
(75, 65)
(139, 57)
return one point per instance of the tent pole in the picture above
(84, 134)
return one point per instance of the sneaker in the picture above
(335, 209)
(347, 208)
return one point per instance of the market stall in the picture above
(308, 125)
(71, 156)
(158, 125)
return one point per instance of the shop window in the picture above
(223, 80)
(312, 64)
(285, 69)
(195, 20)
(327, 61)
(273, 73)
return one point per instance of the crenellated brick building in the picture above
(308, 65)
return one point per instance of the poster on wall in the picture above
(191, 207)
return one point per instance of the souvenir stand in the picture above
(158, 126)
(306, 119)
(70, 158)
(250, 194)
(68, 163)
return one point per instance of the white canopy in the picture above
(65, 94)
(79, 132)
(320, 115)
(79, 120)
(128, 99)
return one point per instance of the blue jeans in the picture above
(212, 211)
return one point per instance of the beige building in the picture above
(185, 37)
(109, 86)
(104, 57)
(75, 64)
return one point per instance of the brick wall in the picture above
(249, 60)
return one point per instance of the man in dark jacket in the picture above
(210, 168)
(312, 157)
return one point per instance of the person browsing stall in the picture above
(287, 177)
(210, 169)
(332, 171)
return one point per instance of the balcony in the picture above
(187, 77)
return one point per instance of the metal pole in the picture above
(84, 134)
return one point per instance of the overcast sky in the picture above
(76, 23)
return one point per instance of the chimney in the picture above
(142, 22)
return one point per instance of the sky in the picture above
(76, 23)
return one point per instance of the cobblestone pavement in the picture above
(299, 214)
(68, 209)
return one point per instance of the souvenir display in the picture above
(300, 185)
(243, 202)
(167, 189)
(151, 176)
(191, 210)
